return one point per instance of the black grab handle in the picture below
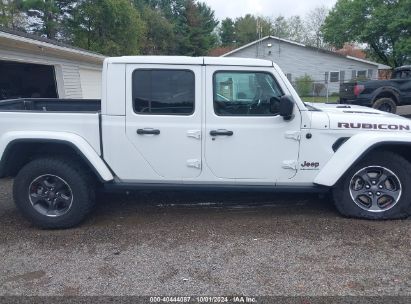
(148, 132)
(221, 133)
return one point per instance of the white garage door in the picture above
(90, 83)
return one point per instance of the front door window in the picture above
(246, 94)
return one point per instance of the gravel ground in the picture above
(205, 244)
(404, 111)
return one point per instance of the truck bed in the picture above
(51, 105)
(45, 117)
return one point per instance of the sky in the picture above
(269, 8)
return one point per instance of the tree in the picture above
(193, 25)
(46, 17)
(315, 20)
(249, 28)
(171, 9)
(297, 30)
(385, 26)
(246, 29)
(280, 27)
(208, 25)
(227, 32)
(10, 14)
(111, 27)
(160, 36)
(142, 4)
(197, 36)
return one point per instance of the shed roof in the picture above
(379, 65)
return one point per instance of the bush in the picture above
(319, 88)
(304, 85)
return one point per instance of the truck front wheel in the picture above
(53, 192)
(385, 104)
(377, 188)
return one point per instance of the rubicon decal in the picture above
(351, 125)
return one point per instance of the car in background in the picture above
(384, 95)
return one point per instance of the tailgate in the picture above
(347, 91)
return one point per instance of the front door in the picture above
(164, 118)
(245, 137)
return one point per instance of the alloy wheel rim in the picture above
(50, 195)
(375, 189)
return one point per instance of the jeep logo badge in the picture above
(310, 165)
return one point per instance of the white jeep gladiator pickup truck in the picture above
(200, 123)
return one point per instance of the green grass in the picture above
(332, 99)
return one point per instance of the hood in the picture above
(357, 117)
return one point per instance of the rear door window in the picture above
(164, 92)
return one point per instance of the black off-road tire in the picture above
(395, 163)
(81, 184)
(385, 104)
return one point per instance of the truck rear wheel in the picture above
(385, 104)
(53, 193)
(379, 187)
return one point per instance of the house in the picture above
(326, 68)
(32, 66)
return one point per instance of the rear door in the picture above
(164, 118)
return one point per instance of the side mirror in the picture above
(286, 107)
